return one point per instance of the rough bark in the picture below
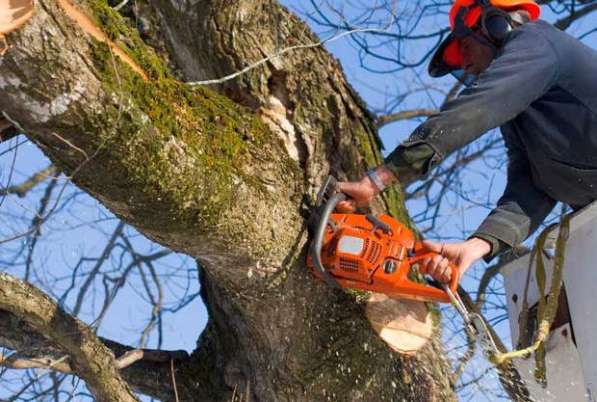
(226, 176)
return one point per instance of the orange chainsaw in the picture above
(367, 252)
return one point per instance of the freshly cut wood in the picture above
(87, 25)
(13, 14)
(405, 325)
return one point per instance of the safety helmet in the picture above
(490, 16)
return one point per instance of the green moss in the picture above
(125, 35)
(171, 124)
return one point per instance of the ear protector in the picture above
(495, 23)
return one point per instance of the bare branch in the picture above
(404, 115)
(17, 362)
(93, 361)
(411, 114)
(574, 16)
(20, 362)
(492, 271)
(281, 53)
(22, 189)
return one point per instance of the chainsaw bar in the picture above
(474, 325)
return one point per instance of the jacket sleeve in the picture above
(526, 68)
(522, 207)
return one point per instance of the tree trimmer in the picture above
(378, 254)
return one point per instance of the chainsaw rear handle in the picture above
(422, 253)
(317, 244)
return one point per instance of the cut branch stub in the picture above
(13, 14)
(405, 325)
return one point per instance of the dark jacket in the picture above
(542, 90)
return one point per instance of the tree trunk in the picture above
(226, 175)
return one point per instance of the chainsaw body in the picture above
(374, 253)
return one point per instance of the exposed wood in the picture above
(405, 325)
(91, 28)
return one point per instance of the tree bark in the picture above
(226, 175)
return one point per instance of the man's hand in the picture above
(462, 255)
(362, 192)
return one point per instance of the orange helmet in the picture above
(466, 15)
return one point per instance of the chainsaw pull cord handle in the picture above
(422, 253)
(317, 243)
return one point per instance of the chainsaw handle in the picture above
(317, 244)
(422, 253)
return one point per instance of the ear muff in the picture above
(496, 24)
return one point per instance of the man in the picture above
(535, 82)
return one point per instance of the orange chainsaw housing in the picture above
(361, 255)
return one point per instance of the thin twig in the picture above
(173, 380)
(23, 188)
(283, 52)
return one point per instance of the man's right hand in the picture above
(361, 194)
(462, 255)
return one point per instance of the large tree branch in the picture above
(146, 370)
(215, 168)
(91, 360)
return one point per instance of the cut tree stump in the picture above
(405, 325)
